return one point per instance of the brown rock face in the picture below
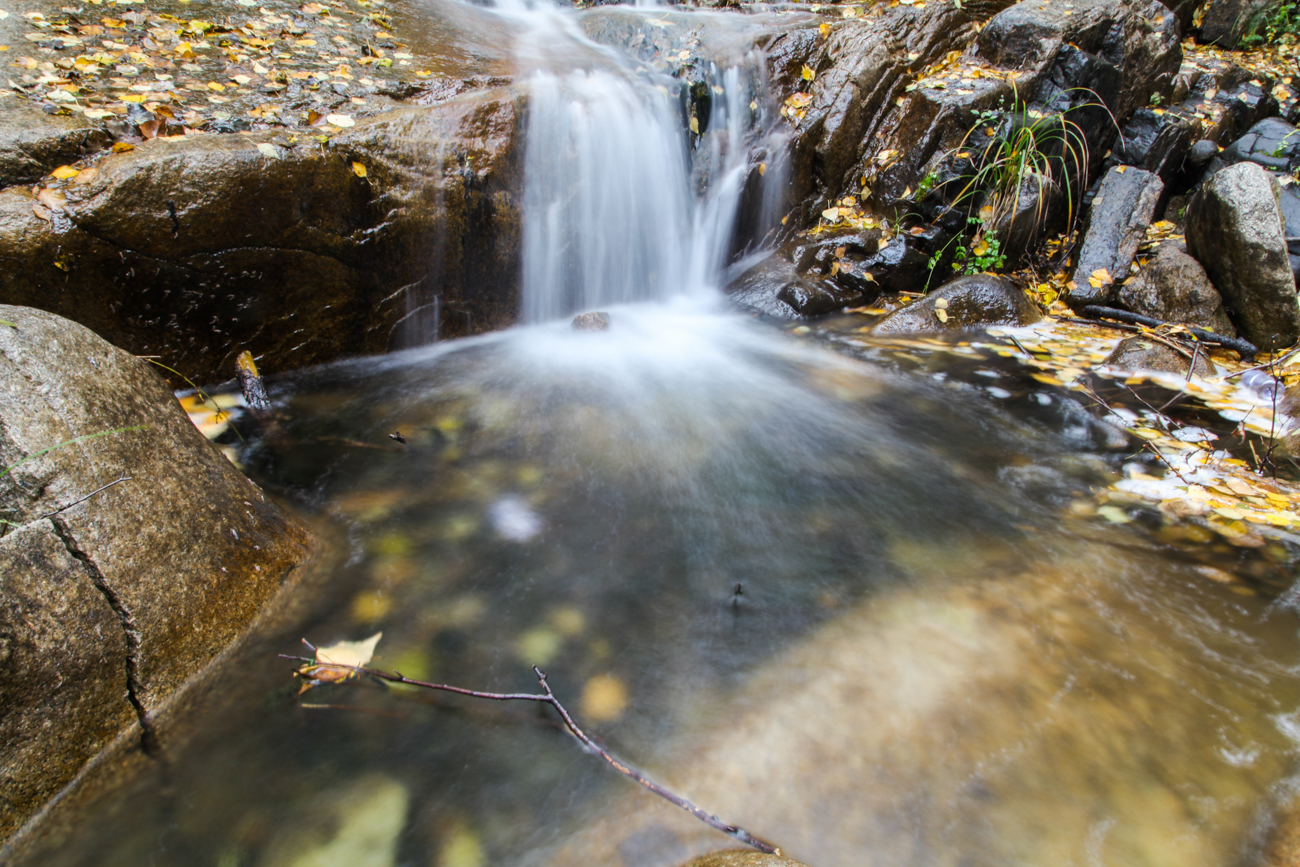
(112, 596)
(196, 249)
(742, 858)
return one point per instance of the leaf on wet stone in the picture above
(359, 169)
(1099, 278)
(340, 120)
(64, 172)
(807, 73)
(269, 150)
(52, 199)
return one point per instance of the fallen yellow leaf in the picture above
(359, 169)
(64, 172)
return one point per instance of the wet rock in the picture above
(1289, 201)
(774, 288)
(1160, 143)
(1272, 143)
(1131, 47)
(33, 143)
(1137, 353)
(145, 580)
(1173, 286)
(1201, 152)
(1226, 21)
(1236, 231)
(62, 682)
(171, 248)
(591, 322)
(742, 858)
(972, 302)
(1118, 219)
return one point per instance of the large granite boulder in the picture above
(1236, 230)
(132, 552)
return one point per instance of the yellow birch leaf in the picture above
(64, 172)
(359, 169)
(807, 73)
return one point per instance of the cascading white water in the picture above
(610, 215)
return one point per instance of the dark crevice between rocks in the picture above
(148, 736)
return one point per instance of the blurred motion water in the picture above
(836, 603)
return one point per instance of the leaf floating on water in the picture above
(604, 698)
(1114, 514)
(330, 660)
(340, 120)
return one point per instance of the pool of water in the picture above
(839, 604)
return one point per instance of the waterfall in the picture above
(623, 202)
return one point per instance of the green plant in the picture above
(984, 253)
(1280, 25)
(1156, 99)
(926, 184)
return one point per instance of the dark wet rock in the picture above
(1201, 152)
(1272, 143)
(774, 288)
(1118, 219)
(742, 858)
(33, 143)
(1130, 48)
(141, 583)
(1236, 231)
(1160, 143)
(1289, 201)
(171, 249)
(1226, 21)
(1172, 286)
(862, 68)
(966, 303)
(591, 322)
(1138, 353)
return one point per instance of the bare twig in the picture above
(1269, 364)
(546, 696)
(121, 478)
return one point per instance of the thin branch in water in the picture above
(589, 745)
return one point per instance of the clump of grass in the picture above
(1282, 25)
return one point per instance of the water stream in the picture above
(841, 604)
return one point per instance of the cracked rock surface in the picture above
(110, 597)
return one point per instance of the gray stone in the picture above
(33, 143)
(184, 550)
(1201, 152)
(774, 288)
(972, 302)
(1272, 143)
(1139, 353)
(1117, 221)
(1235, 229)
(1174, 287)
(1226, 21)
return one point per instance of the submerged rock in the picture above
(138, 552)
(972, 302)
(1236, 230)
